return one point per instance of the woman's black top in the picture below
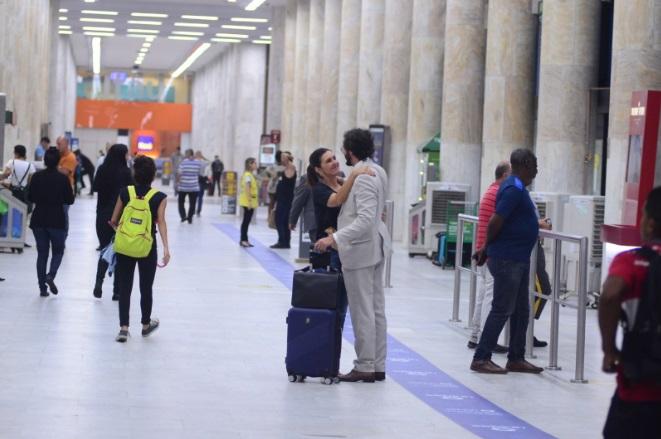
(49, 191)
(284, 192)
(326, 216)
(155, 201)
(108, 183)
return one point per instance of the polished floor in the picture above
(215, 368)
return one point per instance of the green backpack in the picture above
(133, 237)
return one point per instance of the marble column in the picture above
(370, 61)
(315, 64)
(288, 75)
(296, 145)
(330, 74)
(568, 68)
(636, 66)
(347, 96)
(426, 86)
(463, 92)
(509, 86)
(276, 70)
(395, 98)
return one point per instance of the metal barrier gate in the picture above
(390, 222)
(554, 298)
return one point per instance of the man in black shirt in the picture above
(217, 168)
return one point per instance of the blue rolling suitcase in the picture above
(314, 341)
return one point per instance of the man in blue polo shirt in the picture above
(511, 235)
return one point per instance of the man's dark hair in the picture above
(144, 170)
(20, 151)
(501, 169)
(653, 208)
(278, 157)
(521, 158)
(52, 157)
(45, 139)
(360, 142)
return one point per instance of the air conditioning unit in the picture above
(439, 195)
(551, 205)
(584, 216)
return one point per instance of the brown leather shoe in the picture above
(354, 376)
(487, 366)
(379, 376)
(522, 366)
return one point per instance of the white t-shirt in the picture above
(20, 172)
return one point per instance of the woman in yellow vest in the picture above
(248, 198)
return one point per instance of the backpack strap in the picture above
(132, 195)
(150, 194)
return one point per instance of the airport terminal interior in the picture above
(448, 89)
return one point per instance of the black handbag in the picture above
(319, 289)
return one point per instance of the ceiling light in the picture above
(254, 4)
(64, 27)
(89, 1)
(62, 18)
(137, 62)
(225, 40)
(65, 32)
(63, 11)
(232, 26)
(100, 34)
(142, 31)
(190, 60)
(180, 38)
(199, 17)
(96, 55)
(99, 29)
(97, 20)
(145, 22)
(222, 35)
(144, 50)
(146, 45)
(261, 41)
(148, 14)
(249, 20)
(180, 24)
(266, 37)
(181, 32)
(90, 11)
(270, 29)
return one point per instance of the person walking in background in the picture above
(144, 170)
(217, 168)
(188, 185)
(87, 168)
(303, 204)
(67, 166)
(49, 191)
(272, 174)
(41, 148)
(248, 198)
(284, 195)
(176, 160)
(484, 278)
(203, 179)
(19, 171)
(511, 235)
(113, 175)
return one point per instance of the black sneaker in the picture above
(471, 344)
(98, 292)
(44, 293)
(153, 326)
(539, 343)
(51, 284)
(122, 336)
(500, 349)
(115, 297)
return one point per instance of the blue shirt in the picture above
(520, 229)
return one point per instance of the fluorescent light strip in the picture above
(225, 40)
(147, 45)
(90, 11)
(182, 32)
(65, 32)
(96, 55)
(180, 38)
(99, 29)
(266, 37)
(261, 42)
(62, 18)
(254, 4)
(248, 20)
(144, 50)
(232, 26)
(222, 35)
(199, 17)
(64, 27)
(142, 31)
(100, 34)
(90, 1)
(97, 20)
(63, 11)
(181, 24)
(190, 60)
(145, 22)
(148, 15)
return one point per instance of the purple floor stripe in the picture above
(417, 375)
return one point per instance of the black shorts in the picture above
(633, 420)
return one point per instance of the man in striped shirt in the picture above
(188, 185)
(485, 280)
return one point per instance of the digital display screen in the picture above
(145, 143)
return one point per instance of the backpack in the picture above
(641, 347)
(133, 237)
(20, 192)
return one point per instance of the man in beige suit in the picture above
(362, 241)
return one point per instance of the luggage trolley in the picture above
(13, 222)
(447, 241)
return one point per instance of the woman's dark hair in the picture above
(114, 167)
(52, 158)
(360, 142)
(315, 162)
(144, 170)
(116, 157)
(249, 161)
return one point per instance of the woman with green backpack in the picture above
(138, 210)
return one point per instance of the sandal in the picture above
(122, 336)
(153, 326)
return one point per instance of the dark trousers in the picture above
(216, 184)
(247, 217)
(510, 301)
(124, 272)
(104, 233)
(47, 239)
(544, 281)
(192, 198)
(633, 419)
(200, 199)
(282, 223)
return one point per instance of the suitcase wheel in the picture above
(296, 378)
(328, 380)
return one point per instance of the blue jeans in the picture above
(46, 239)
(510, 301)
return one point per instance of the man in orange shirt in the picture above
(67, 166)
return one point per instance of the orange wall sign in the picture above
(133, 115)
